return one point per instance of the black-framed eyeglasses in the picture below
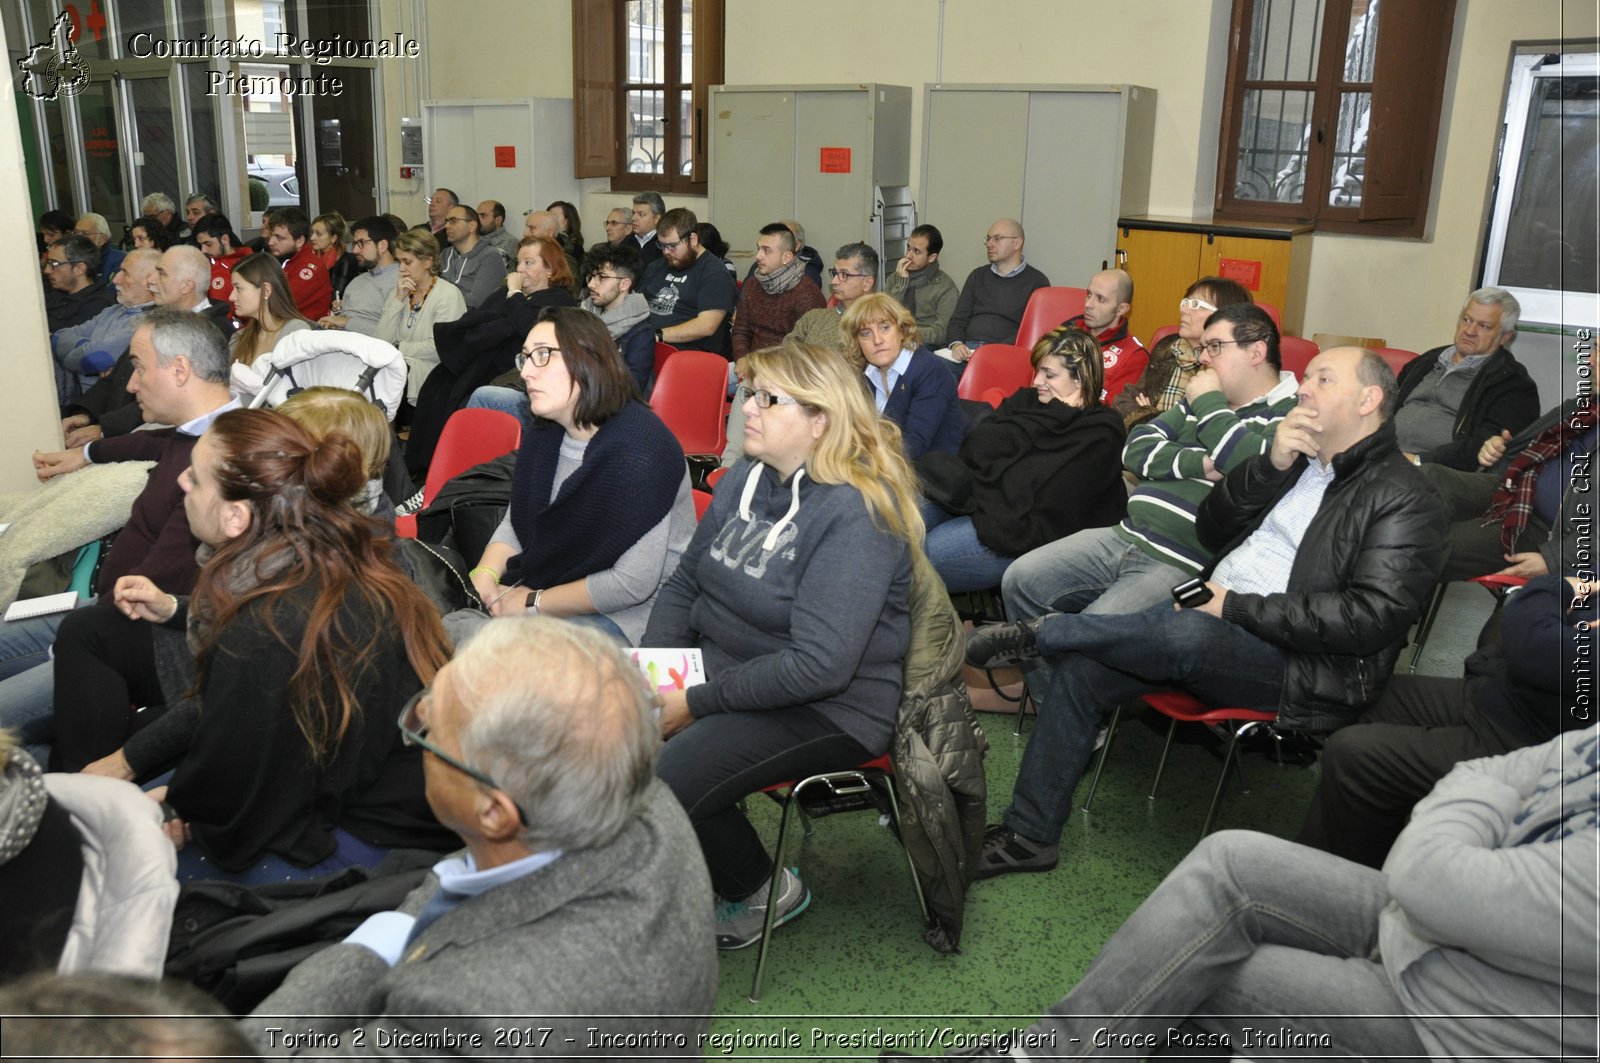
(414, 732)
(838, 274)
(539, 356)
(1211, 348)
(765, 399)
(52, 263)
(605, 276)
(673, 246)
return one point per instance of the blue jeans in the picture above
(1249, 931)
(1091, 571)
(1100, 661)
(963, 562)
(27, 681)
(506, 400)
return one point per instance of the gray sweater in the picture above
(796, 598)
(990, 308)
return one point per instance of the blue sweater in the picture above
(924, 405)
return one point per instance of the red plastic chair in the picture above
(691, 397)
(663, 352)
(1396, 358)
(1180, 707)
(1162, 333)
(1496, 583)
(849, 790)
(995, 365)
(702, 502)
(1273, 313)
(714, 475)
(470, 437)
(1296, 354)
(1047, 308)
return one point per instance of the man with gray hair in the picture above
(182, 281)
(87, 351)
(159, 205)
(96, 228)
(71, 269)
(581, 891)
(197, 206)
(648, 209)
(545, 225)
(855, 274)
(1454, 397)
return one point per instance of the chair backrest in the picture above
(1396, 357)
(1047, 308)
(702, 502)
(691, 398)
(1274, 313)
(1162, 333)
(471, 437)
(995, 365)
(663, 352)
(1296, 353)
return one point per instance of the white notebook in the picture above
(44, 605)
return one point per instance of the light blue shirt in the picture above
(880, 393)
(1468, 363)
(995, 268)
(1262, 562)
(387, 933)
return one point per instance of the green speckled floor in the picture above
(855, 962)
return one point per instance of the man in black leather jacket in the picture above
(1327, 547)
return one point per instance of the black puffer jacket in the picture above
(1364, 568)
(1501, 396)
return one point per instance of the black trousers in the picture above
(105, 669)
(1378, 768)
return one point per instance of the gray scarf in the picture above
(249, 570)
(22, 802)
(621, 316)
(783, 278)
(920, 279)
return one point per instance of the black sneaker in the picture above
(998, 645)
(1005, 851)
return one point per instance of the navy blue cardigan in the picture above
(924, 405)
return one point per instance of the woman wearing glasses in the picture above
(795, 587)
(1161, 385)
(601, 507)
(306, 639)
(1046, 464)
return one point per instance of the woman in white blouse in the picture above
(420, 300)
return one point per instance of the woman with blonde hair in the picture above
(264, 307)
(1047, 463)
(795, 587)
(421, 299)
(909, 383)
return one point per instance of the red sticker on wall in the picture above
(1243, 270)
(505, 157)
(835, 160)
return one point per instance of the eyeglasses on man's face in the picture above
(53, 263)
(765, 399)
(414, 732)
(1212, 348)
(668, 246)
(844, 274)
(992, 238)
(539, 356)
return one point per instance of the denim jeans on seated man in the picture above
(1100, 661)
(27, 680)
(506, 400)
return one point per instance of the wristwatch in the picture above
(533, 602)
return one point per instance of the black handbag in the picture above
(441, 574)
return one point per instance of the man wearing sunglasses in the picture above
(581, 891)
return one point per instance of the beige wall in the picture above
(28, 401)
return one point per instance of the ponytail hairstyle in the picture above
(303, 532)
(857, 446)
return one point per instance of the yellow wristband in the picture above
(485, 568)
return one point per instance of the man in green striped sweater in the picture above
(1226, 417)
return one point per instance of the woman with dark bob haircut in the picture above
(305, 641)
(600, 502)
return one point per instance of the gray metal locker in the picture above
(1065, 160)
(826, 155)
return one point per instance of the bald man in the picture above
(992, 300)
(1106, 303)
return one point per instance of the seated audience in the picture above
(53, 225)
(307, 638)
(195, 207)
(1106, 303)
(619, 226)
(795, 587)
(1521, 692)
(181, 378)
(159, 208)
(472, 264)
(711, 239)
(215, 238)
(361, 308)
(854, 274)
(439, 205)
(691, 294)
(601, 506)
(262, 305)
(327, 240)
(571, 236)
(1159, 388)
(611, 273)
(481, 345)
(288, 234)
(645, 217)
(1327, 546)
(1533, 493)
(419, 300)
(148, 234)
(1042, 466)
(75, 294)
(84, 352)
(925, 289)
(95, 227)
(994, 296)
(908, 384)
(580, 891)
(775, 296)
(1453, 398)
(1474, 941)
(492, 228)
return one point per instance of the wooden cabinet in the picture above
(1165, 255)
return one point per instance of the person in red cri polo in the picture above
(288, 241)
(1106, 303)
(214, 235)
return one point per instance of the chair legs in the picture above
(1430, 613)
(1105, 751)
(842, 784)
(1231, 756)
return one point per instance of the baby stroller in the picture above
(323, 358)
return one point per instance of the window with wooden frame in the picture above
(641, 74)
(1332, 113)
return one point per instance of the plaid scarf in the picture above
(1187, 361)
(1513, 499)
